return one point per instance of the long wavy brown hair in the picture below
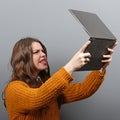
(22, 65)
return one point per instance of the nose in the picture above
(43, 53)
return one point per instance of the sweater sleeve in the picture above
(22, 98)
(78, 91)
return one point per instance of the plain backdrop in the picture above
(51, 22)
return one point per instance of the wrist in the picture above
(102, 70)
(69, 69)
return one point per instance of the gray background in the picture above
(50, 21)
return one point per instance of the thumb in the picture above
(83, 48)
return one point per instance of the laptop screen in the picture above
(92, 24)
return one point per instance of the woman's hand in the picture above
(107, 58)
(79, 59)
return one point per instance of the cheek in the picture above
(35, 59)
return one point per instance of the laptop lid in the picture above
(92, 24)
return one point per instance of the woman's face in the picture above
(39, 57)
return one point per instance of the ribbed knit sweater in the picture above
(25, 103)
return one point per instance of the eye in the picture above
(36, 51)
(43, 51)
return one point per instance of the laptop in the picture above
(100, 36)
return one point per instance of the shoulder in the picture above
(17, 82)
(16, 85)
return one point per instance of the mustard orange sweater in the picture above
(25, 103)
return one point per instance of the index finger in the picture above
(83, 48)
(111, 49)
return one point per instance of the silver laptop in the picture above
(101, 37)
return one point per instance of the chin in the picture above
(42, 68)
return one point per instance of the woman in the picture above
(32, 94)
